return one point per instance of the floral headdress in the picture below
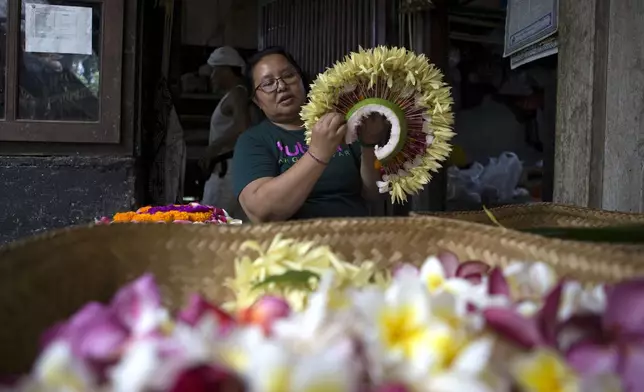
(405, 88)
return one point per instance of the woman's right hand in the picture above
(326, 135)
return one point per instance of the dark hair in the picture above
(237, 71)
(257, 57)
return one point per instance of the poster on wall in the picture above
(528, 22)
(58, 29)
(541, 49)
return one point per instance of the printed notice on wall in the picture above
(58, 29)
(528, 22)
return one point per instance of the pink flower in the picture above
(612, 342)
(466, 270)
(206, 379)
(265, 311)
(97, 334)
(198, 307)
(94, 333)
(472, 271)
(135, 303)
(497, 284)
(527, 332)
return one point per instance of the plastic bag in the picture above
(491, 184)
(465, 185)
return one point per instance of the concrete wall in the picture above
(220, 22)
(42, 193)
(600, 118)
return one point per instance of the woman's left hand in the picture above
(374, 130)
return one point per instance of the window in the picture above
(60, 70)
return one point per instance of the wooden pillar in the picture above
(434, 30)
(599, 153)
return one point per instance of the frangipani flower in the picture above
(138, 307)
(402, 334)
(58, 369)
(527, 332)
(544, 371)
(313, 327)
(94, 334)
(273, 369)
(443, 327)
(613, 342)
(578, 299)
(440, 273)
(529, 280)
(82, 348)
(465, 372)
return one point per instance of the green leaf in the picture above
(290, 278)
(491, 216)
(630, 234)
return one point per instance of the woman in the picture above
(230, 118)
(276, 176)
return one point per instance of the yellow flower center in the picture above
(400, 331)
(434, 282)
(545, 372)
(279, 381)
(447, 346)
(235, 358)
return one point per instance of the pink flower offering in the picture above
(481, 329)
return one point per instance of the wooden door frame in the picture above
(127, 110)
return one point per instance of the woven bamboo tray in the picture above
(527, 216)
(48, 277)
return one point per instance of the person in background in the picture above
(230, 118)
(277, 176)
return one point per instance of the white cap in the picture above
(226, 56)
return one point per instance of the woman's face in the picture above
(279, 90)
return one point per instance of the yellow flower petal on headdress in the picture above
(390, 73)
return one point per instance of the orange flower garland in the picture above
(191, 213)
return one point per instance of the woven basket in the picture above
(48, 277)
(527, 216)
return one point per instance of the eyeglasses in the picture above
(269, 86)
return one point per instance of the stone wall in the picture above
(43, 193)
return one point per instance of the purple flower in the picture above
(97, 334)
(136, 300)
(497, 284)
(472, 271)
(182, 208)
(198, 307)
(94, 334)
(527, 332)
(612, 342)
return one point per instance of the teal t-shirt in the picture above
(267, 150)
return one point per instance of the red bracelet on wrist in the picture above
(316, 159)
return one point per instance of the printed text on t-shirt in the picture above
(290, 154)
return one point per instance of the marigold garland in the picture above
(410, 92)
(174, 213)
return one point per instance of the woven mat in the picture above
(526, 216)
(48, 277)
